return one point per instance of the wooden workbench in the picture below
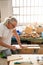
(30, 49)
(24, 59)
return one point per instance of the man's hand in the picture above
(13, 48)
(23, 47)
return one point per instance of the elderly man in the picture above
(6, 29)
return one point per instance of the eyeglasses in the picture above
(12, 24)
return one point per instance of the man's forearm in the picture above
(17, 37)
(18, 40)
(5, 45)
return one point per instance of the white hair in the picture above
(9, 19)
(6, 21)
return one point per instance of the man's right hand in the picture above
(13, 48)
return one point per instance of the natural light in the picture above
(28, 11)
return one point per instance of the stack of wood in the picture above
(30, 32)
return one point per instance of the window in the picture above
(28, 11)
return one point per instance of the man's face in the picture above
(13, 25)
